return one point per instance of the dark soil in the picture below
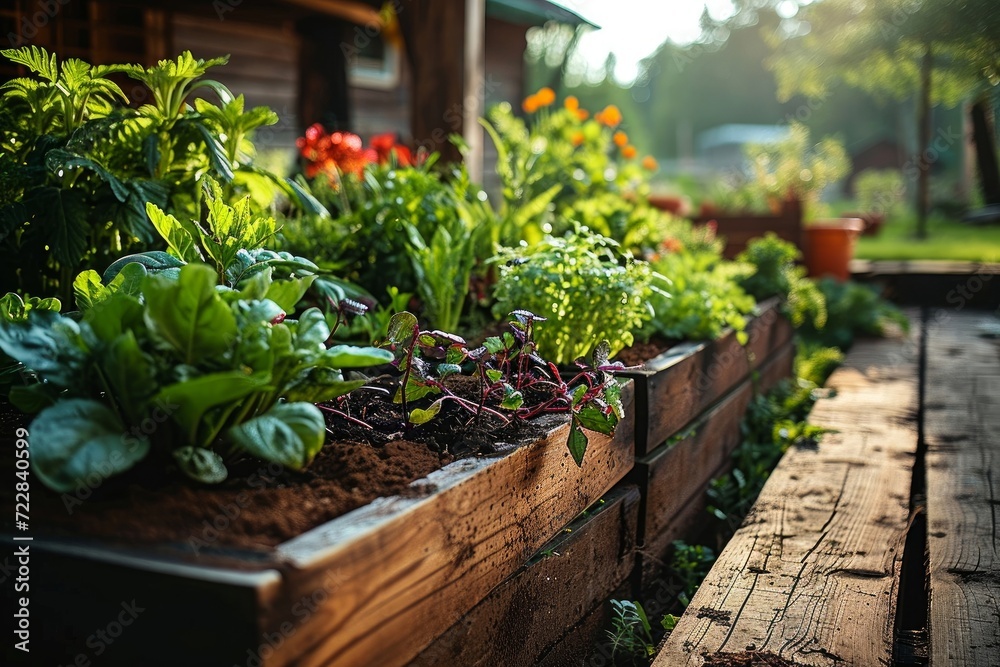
(262, 504)
(640, 353)
(748, 659)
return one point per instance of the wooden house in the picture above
(427, 73)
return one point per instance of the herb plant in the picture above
(178, 371)
(704, 298)
(630, 635)
(509, 370)
(586, 288)
(853, 309)
(772, 271)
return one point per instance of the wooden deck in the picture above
(814, 574)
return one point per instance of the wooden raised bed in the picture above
(739, 228)
(525, 620)
(673, 479)
(673, 389)
(373, 587)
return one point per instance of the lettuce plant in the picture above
(509, 370)
(586, 288)
(177, 370)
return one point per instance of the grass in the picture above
(946, 239)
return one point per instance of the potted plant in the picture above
(828, 246)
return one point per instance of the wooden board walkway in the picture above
(812, 575)
(962, 430)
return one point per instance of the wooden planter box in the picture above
(679, 385)
(673, 479)
(739, 228)
(525, 620)
(373, 587)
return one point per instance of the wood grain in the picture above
(524, 619)
(813, 572)
(678, 385)
(390, 577)
(673, 479)
(963, 490)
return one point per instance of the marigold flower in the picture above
(671, 244)
(582, 114)
(629, 152)
(620, 138)
(611, 116)
(530, 104)
(577, 138)
(572, 103)
(545, 96)
(649, 162)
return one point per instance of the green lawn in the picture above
(947, 239)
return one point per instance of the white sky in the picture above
(632, 29)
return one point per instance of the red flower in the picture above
(385, 145)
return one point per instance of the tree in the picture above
(935, 49)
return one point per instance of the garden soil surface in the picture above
(748, 659)
(263, 504)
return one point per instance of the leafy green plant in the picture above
(814, 363)
(586, 287)
(512, 377)
(231, 240)
(406, 226)
(772, 271)
(704, 298)
(220, 373)
(690, 564)
(78, 166)
(853, 309)
(630, 634)
(771, 424)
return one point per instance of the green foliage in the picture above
(560, 159)
(690, 564)
(853, 309)
(220, 373)
(408, 227)
(78, 166)
(880, 191)
(772, 271)
(704, 298)
(585, 287)
(631, 634)
(814, 363)
(791, 167)
(771, 424)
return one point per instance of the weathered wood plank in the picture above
(812, 574)
(962, 420)
(680, 384)
(673, 479)
(530, 612)
(390, 577)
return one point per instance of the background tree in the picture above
(897, 48)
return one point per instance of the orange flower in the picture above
(577, 138)
(620, 138)
(530, 104)
(582, 114)
(671, 244)
(611, 116)
(545, 96)
(649, 162)
(571, 103)
(629, 152)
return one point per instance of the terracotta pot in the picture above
(873, 222)
(828, 246)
